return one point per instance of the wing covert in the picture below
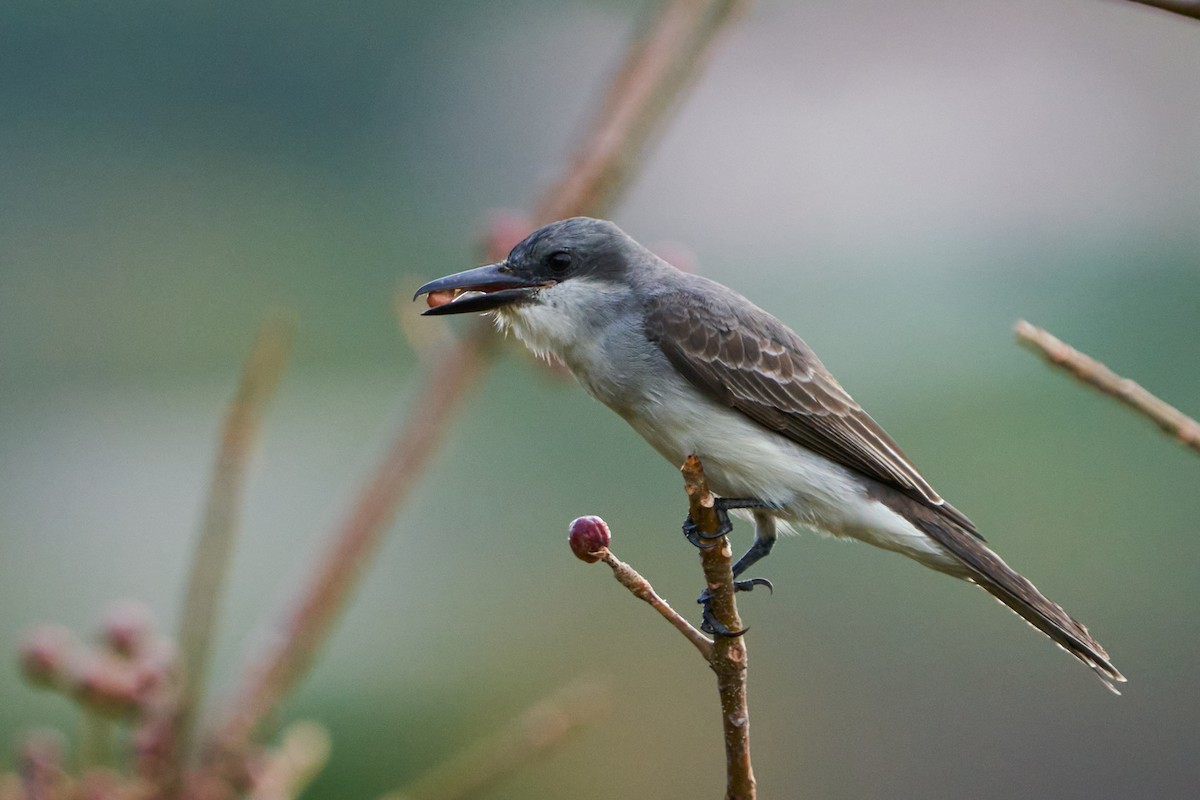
(742, 357)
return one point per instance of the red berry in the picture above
(588, 536)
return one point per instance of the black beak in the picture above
(498, 284)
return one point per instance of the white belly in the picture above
(743, 459)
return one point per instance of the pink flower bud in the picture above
(46, 654)
(156, 669)
(127, 628)
(107, 685)
(588, 536)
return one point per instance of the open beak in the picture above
(479, 289)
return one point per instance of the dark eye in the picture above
(559, 261)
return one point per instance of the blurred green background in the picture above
(899, 182)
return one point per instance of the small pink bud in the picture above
(107, 685)
(588, 536)
(127, 628)
(156, 669)
(46, 654)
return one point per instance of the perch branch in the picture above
(589, 538)
(590, 187)
(729, 652)
(1089, 371)
(542, 728)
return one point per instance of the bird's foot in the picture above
(721, 506)
(709, 622)
(713, 626)
(699, 538)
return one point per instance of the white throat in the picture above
(564, 317)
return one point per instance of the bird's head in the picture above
(564, 262)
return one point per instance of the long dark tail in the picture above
(987, 569)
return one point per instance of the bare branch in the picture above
(302, 752)
(657, 70)
(41, 767)
(544, 727)
(632, 580)
(1186, 9)
(729, 652)
(218, 533)
(1089, 371)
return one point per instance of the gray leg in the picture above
(764, 540)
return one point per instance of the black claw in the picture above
(713, 627)
(709, 622)
(749, 584)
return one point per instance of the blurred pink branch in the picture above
(545, 726)
(661, 64)
(657, 69)
(218, 532)
(1093, 373)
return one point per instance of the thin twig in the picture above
(729, 652)
(591, 187)
(219, 530)
(632, 580)
(302, 752)
(539, 730)
(1184, 8)
(1088, 370)
(41, 770)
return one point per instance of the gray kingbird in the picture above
(696, 368)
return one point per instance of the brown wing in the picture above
(742, 357)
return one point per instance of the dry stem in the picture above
(542, 728)
(218, 533)
(302, 752)
(657, 69)
(1095, 374)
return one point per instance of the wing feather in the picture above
(744, 358)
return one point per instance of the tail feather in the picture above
(989, 571)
